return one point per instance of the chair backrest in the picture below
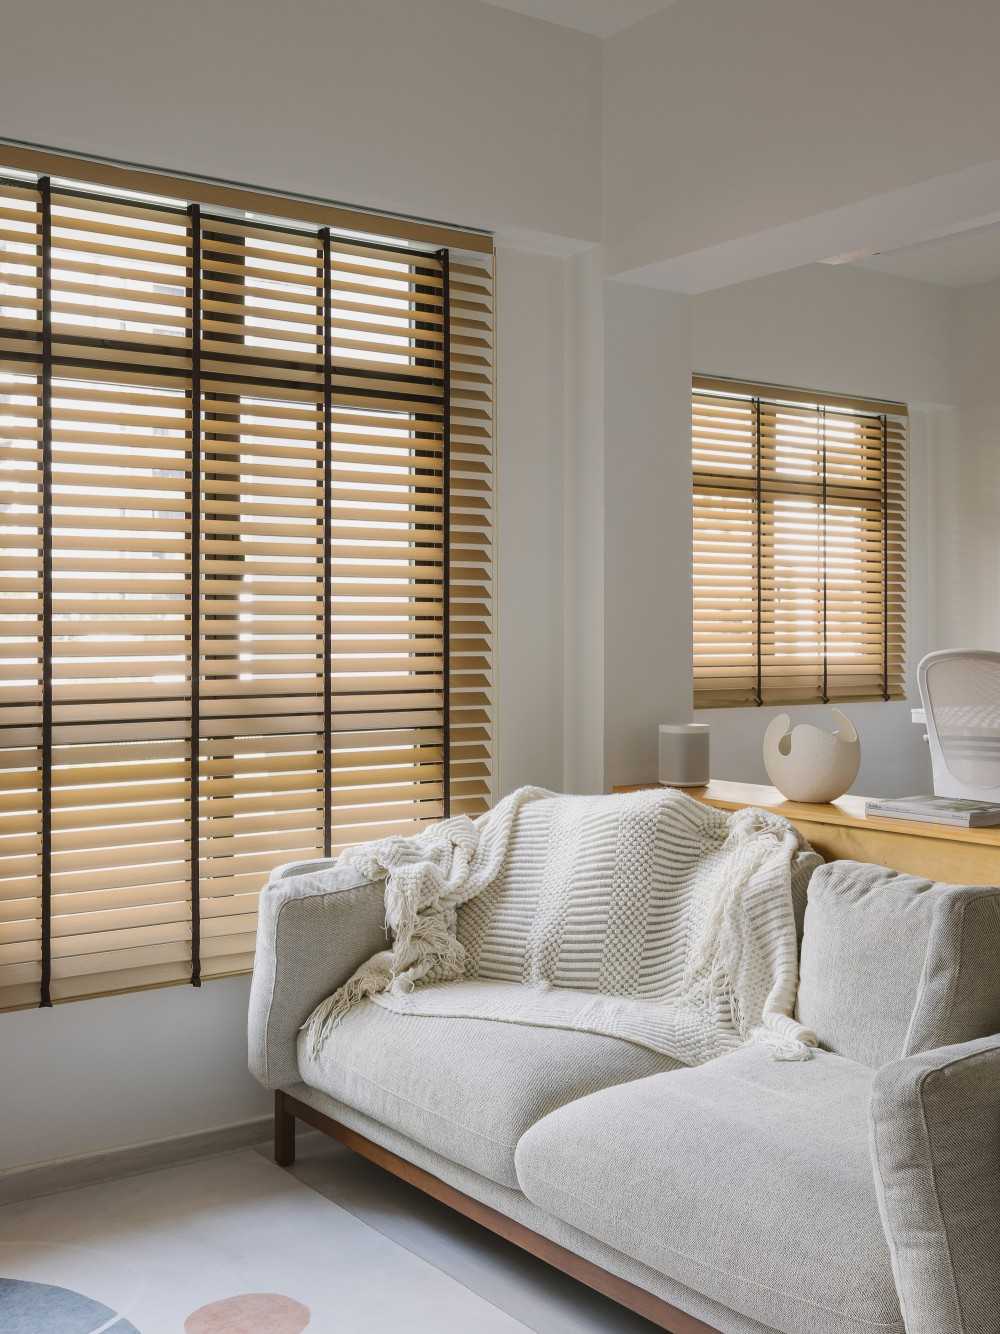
(960, 689)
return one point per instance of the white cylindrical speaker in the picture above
(684, 754)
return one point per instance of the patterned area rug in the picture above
(228, 1245)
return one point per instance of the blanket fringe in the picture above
(329, 1013)
(782, 1048)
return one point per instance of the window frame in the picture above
(799, 545)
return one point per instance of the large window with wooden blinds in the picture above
(799, 545)
(245, 558)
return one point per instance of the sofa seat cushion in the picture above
(747, 1179)
(466, 1088)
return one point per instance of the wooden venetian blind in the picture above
(799, 546)
(245, 563)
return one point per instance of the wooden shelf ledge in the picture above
(840, 830)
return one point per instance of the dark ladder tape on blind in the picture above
(886, 691)
(327, 562)
(824, 572)
(758, 503)
(45, 193)
(446, 518)
(194, 213)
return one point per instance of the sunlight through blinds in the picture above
(799, 546)
(245, 563)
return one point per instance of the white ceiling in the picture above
(958, 260)
(602, 18)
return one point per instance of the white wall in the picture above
(647, 527)
(626, 526)
(724, 119)
(583, 531)
(532, 335)
(964, 544)
(833, 328)
(438, 108)
(122, 1070)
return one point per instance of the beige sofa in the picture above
(854, 1193)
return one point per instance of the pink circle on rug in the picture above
(249, 1313)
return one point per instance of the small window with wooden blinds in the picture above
(245, 558)
(799, 546)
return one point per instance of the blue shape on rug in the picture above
(40, 1308)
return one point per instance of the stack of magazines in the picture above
(936, 810)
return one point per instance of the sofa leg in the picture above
(284, 1131)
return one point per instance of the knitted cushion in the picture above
(893, 965)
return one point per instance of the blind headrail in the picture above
(242, 198)
(719, 384)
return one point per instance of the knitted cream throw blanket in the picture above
(647, 916)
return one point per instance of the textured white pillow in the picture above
(893, 965)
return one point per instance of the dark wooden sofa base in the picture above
(288, 1110)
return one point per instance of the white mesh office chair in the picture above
(960, 689)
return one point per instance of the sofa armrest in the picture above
(312, 934)
(935, 1142)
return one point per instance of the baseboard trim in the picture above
(48, 1178)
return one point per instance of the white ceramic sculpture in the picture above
(807, 763)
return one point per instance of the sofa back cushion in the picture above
(893, 965)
